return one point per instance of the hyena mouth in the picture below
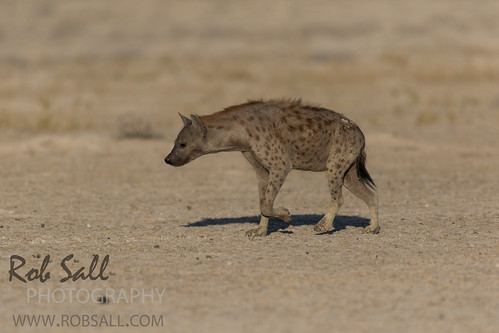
(175, 162)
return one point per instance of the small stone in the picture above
(102, 300)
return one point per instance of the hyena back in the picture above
(277, 136)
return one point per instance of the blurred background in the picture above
(419, 70)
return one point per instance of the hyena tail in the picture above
(362, 173)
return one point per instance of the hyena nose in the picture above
(168, 159)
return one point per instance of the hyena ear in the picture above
(198, 124)
(186, 120)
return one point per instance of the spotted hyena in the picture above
(276, 136)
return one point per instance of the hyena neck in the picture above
(225, 135)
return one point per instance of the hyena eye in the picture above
(182, 145)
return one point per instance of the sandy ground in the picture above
(89, 98)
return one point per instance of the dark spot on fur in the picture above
(257, 138)
(251, 118)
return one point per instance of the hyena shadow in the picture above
(275, 225)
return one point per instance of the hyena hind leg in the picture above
(359, 189)
(326, 223)
(337, 166)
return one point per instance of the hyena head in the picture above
(190, 142)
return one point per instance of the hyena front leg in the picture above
(276, 179)
(262, 176)
(269, 184)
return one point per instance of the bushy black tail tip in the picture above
(362, 173)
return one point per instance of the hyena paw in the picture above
(258, 232)
(282, 214)
(323, 226)
(370, 229)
